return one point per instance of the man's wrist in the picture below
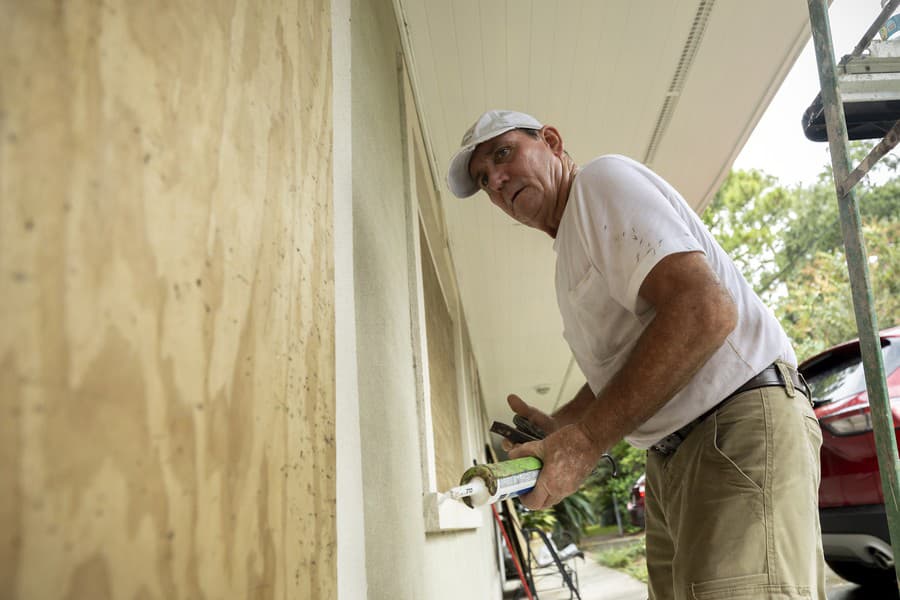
(586, 431)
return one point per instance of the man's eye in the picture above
(502, 152)
(483, 181)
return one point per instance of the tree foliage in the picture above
(787, 242)
(818, 311)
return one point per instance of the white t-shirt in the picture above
(620, 220)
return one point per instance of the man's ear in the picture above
(553, 139)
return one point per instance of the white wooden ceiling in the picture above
(678, 84)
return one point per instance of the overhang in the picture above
(677, 84)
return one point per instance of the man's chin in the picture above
(529, 223)
(526, 216)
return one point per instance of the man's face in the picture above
(521, 174)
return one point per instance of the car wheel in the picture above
(863, 575)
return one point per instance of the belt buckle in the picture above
(662, 448)
(669, 444)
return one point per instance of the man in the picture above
(681, 358)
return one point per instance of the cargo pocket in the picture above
(747, 586)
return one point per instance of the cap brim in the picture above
(458, 179)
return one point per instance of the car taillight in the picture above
(852, 422)
(858, 421)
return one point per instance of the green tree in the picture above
(771, 230)
(787, 242)
(818, 310)
(747, 217)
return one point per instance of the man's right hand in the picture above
(537, 417)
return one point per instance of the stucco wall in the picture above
(387, 405)
(166, 305)
(403, 562)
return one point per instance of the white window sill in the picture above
(450, 514)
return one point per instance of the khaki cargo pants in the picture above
(733, 513)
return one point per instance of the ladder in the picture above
(851, 73)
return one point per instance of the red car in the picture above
(851, 502)
(636, 503)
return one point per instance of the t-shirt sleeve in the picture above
(627, 225)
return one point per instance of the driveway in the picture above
(597, 582)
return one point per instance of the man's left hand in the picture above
(569, 455)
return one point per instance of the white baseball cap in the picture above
(488, 126)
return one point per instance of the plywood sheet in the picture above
(166, 312)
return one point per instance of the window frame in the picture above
(424, 211)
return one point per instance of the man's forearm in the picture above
(576, 408)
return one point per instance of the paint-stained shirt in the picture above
(620, 220)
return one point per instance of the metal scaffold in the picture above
(845, 178)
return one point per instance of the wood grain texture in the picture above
(166, 311)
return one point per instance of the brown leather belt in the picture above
(770, 376)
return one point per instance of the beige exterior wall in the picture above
(392, 483)
(405, 557)
(166, 305)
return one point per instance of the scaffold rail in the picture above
(857, 264)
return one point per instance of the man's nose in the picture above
(496, 179)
